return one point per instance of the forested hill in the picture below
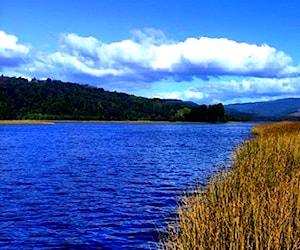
(56, 100)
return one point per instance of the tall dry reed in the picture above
(254, 206)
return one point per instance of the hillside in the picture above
(269, 110)
(21, 99)
(56, 100)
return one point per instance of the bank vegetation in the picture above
(256, 205)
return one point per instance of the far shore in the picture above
(49, 122)
(24, 122)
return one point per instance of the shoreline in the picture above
(235, 209)
(52, 122)
(25, 122)
(49, 122)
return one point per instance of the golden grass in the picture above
(255, 206)
(24, 122)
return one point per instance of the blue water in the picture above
(102, 185)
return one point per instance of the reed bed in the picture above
(254, 206)
(24, 122)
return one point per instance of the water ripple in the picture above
(102, 186)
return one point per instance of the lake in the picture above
(103, 185)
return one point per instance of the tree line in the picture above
(56, 100)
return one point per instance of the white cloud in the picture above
(150, 57)
(242, 90)
(145, 59)
(220, 56)
(11, 53)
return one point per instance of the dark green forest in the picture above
(21, 99)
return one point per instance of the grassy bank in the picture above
(254, 206)
(24, 122)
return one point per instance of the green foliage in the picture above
(56, 100)
(203, 113)
(181, 114)
(21, 99)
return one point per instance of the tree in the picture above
(42, 99)
(181, 114)
(216, 113)
(198, 114)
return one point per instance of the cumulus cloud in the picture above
(12, 54)
(238, 90)
(149, 57)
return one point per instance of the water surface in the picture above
(102, 186)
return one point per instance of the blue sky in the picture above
(203, 51)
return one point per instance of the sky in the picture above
(228, 51)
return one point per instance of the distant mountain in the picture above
(270, 110)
